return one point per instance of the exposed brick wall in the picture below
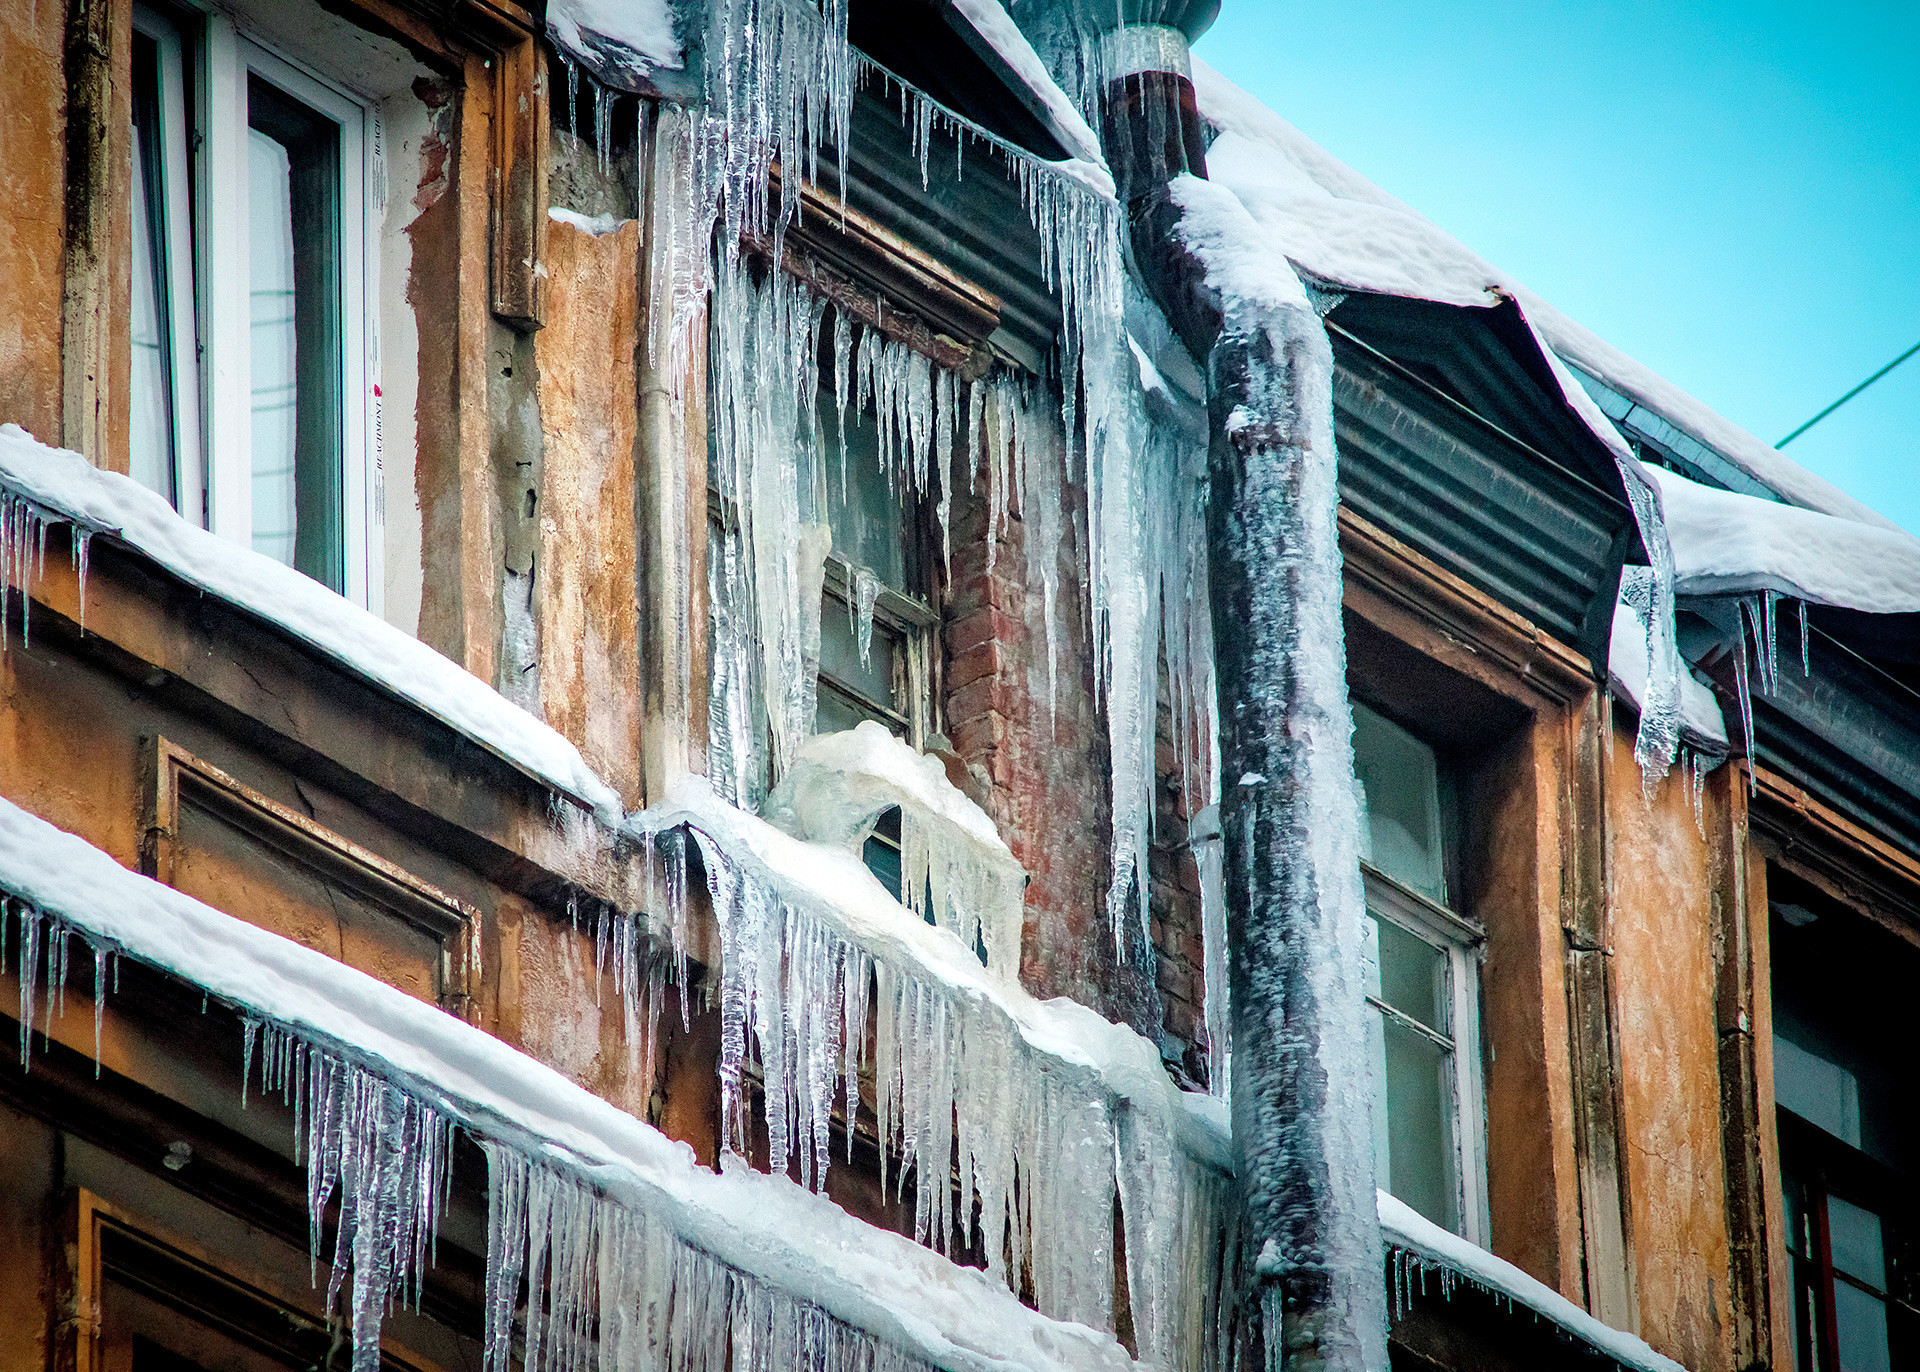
(1045, 776)
(1174, 905)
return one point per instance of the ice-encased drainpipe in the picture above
(1295, 909)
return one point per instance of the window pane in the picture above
(1411, 1094)
(1412, 975)
(840, 655)
(1819, 1091)
(1862, 1323)
(273, 347)
(1400, 789)
(1857, 1247)
(150, 451)
(293, 227)
(866, 514)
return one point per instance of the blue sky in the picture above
(1729, 192)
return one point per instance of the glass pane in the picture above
(1857, 1246)
(1400, 790)
(273, 352)
(1412, 1097)
(840, 655)
(1862, 1323)
(864, 512)
(1413, 975)
(293, 226)
(150, 447)
(1819, 1091)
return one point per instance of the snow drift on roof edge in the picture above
(1337, 225)
(64, 484)
(623, 43)
(802, 1243)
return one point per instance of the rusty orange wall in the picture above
(1533, 1178)
(32, 187)
(1663, 979)
(589, 613)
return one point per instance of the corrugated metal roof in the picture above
(971, 218)
(1519, 515)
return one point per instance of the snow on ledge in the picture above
(875, 1280)
(832, 883)
(841, 783)
(1426, 1243)
(65, 486)
(1725, 543)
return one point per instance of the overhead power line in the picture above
(1848, 396)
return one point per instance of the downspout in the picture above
(1301, 1096)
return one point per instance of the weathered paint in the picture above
(1663, 979)
(32, 189)
(585, 573)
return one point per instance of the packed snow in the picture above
(1417, 1243)
(62, 487)
(953, 861)
(1725, 543)
(624, 43)
(1064, 121)
(380, 1075)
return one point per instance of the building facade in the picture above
(740, 684)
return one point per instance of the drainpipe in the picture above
(1301, 1096)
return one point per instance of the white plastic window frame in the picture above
(175, 230)
(1461, 942)
(228, 57)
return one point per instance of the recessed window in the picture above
(1841, 987)
(251, 401)
(1421, 970)
(875, 621)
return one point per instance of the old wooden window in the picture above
(252, 407)
(879, 560)
(1422, 984)
(1846, 1129)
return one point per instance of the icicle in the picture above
(1805, 671)
(866, 592)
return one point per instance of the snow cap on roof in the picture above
(1725, 543)
(1062, 117)
(1337, 226)
(65, 486)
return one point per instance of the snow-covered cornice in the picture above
(42, 485)
(779, 1247)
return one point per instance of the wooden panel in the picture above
(96, 349)
(243, 852)
(520, 114)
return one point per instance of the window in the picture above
(1846, 1138)
(252, 403)
(877, 564)
(1422, 985)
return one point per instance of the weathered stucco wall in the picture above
(32, 188)
(1664, 977)
(589, 614)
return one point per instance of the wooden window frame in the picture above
(179, 778)
(103, 1243)
(1461, 941)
